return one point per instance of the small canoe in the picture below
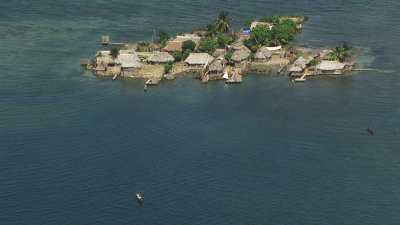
(300, 80)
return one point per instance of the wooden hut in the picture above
(330, 67)
(130, 63)
(175, 45)
(199, 59)
(263, 55)
(216, 69)
(297, 69)
(240, 55)
(160, 57)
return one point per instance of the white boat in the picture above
(276, 48)
(226, 76)
(140, 197)
(300, 79)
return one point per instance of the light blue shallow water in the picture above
(74, 149)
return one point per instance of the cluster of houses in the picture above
(316, 62)
(133, 61)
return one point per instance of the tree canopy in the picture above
(222, 24)
(188, 45)
(224, 40)
(284, 32)
(208, 44)
(163, 38)
(281, 34)
(340, 53)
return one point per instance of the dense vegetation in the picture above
(189, 46)
(340, 53)
(282, 32)
(168, 67)
(208, 45)
(218, 34)
(163, 37)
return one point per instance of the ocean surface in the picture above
(74, 149)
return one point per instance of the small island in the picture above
(218, 52)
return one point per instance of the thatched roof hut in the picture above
(160, 57)
(263, 54)
(299, 65)
(295, 69)
(129, 61)
(175, 44)
(217, 66)
(219, 52)
(302, 61)
(330, 65)
(240, 55)
(238, 45)
(199, 59)
(105, 60)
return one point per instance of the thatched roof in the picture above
(105, 60)
(129, 60)
(175, 44)
(295, 69)
(160, 57)
(302, 62)
(330, 65)
(260, 55)
(324, 54)
(217, 65)
(241, 55)
(219, 52)
(238, 45)
(263, 53)
(100, 67)
(199, 59)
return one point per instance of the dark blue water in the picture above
(74, 149)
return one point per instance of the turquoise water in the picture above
(74, 149)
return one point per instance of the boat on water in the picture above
(226, 76)
(300, 80)
(140, 197)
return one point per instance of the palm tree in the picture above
(340, 53)
(222, 24)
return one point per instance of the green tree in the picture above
(261, 35)
(228, 56)
(284, 32)
(248, 22)
(314, 62)
(188, 45)
(270, 19)
(211, 30)
(222, 24)
(178, 56)
(224, 40)
(168, 67)
(340, 53)
(208, 44)
(163, 38)
(114, 52)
